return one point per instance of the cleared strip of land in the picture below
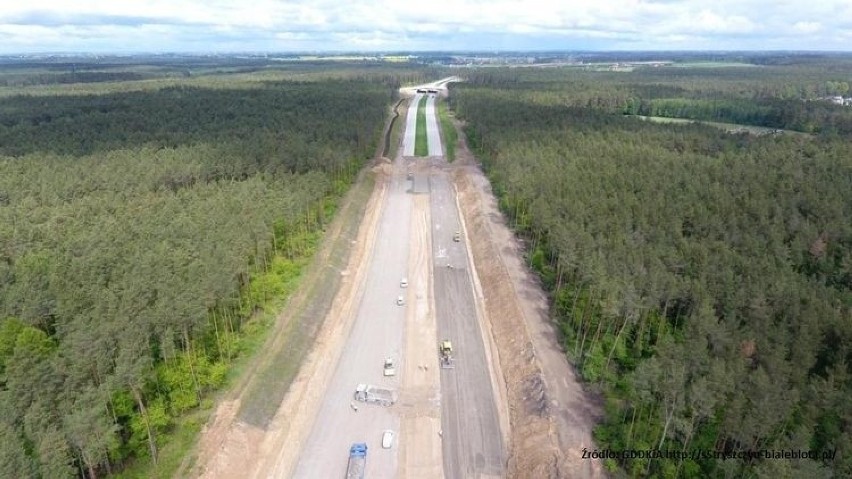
(728, 127)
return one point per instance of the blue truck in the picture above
(357, 461)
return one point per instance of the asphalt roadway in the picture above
(433, 137)
(473, 444)
(411, 126)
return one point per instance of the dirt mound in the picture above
(382, 166)
(536, 402)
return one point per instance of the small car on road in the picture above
(403, 283)
(389, 368)
(387, 439)
(400, 300)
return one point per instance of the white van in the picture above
(387, 439)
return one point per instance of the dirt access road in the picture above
(527, 379)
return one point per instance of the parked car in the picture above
(400, 300)
(403, 283)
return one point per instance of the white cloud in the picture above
(712, 22)
(807, 27)
(103, 25)
(27, 35)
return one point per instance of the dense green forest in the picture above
(139, 232)
(702, 280)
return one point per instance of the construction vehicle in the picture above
(446, 351)
(357, 461)
(374, 394)
(390, 367)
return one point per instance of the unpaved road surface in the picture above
(510, 408)
(375, 335)
(462, 417)
(420, 441)
(383, 328)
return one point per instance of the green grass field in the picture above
(729, 127)
(421, 147)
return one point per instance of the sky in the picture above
(200, 26)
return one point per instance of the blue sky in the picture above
(30, 26)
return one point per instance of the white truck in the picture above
(374, 394)
(389, 368)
